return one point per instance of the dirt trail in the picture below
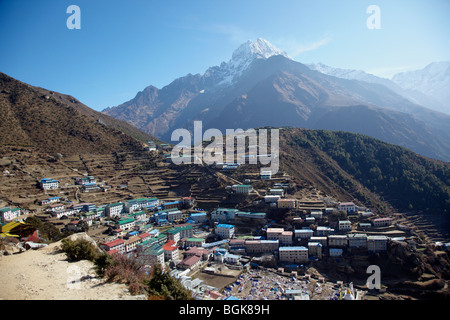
(45, 274)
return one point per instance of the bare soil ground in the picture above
(45, 274)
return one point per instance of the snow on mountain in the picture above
(433, 80)
(349, 74)
(429, 87)
(242, 57)
(426, 79)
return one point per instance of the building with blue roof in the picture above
(48, 184)
(225, 231)
(199, 217)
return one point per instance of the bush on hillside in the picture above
(125, 269)
(79, 249)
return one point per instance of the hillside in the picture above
(372, 171)
(57, 123)
(102, 118)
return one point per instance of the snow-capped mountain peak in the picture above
(242, 57)
(260, 48)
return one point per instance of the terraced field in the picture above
(129, 175)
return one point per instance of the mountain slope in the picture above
(399, 84)
(28, 116)
(432, 81)
(302, 98)
(262, 86)
(102, 118)
(366, 168)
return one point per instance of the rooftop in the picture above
(293, 248)
(115, 204)
(190, 261)
(223, 225)
(114, 243)
(346, 203)
(195, 239)
(123, 221)
(303, 231)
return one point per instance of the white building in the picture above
(225, 231)
(7, 214)
(347, 207)
(153, 254)
(287, 203)
(382, 222)
(174, 215)
(223, 214)
(276, 192)
(138, 204)
(284, 237)
(357, 240)
(125, 224)
(377, 243)
(315, 249)
(117, 245)
(322, 240)
(171, 251)
(131, 243)
(199, 217)
(114, 209)
(337, 240)
(261, 246)
(266, 175)
(242, 188)
(271, 198)
(61, 213)
(302, 234)
(293, 254)
(48, 184)
(316, 214)
(345, 226)
(322, 231)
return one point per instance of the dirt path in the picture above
(45, 274)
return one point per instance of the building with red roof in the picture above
(118, 244)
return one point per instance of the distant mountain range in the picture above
(432, 81)
(428, 87)
(262, 86)
(58, 123)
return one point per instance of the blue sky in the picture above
(124, 46)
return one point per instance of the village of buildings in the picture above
(229, 253)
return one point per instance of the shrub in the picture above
(127, 269)
(162, 284)
(79, 249)
(102, 263)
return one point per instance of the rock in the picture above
(84, 236)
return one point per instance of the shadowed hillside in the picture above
(368, 169)
(58, 123)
